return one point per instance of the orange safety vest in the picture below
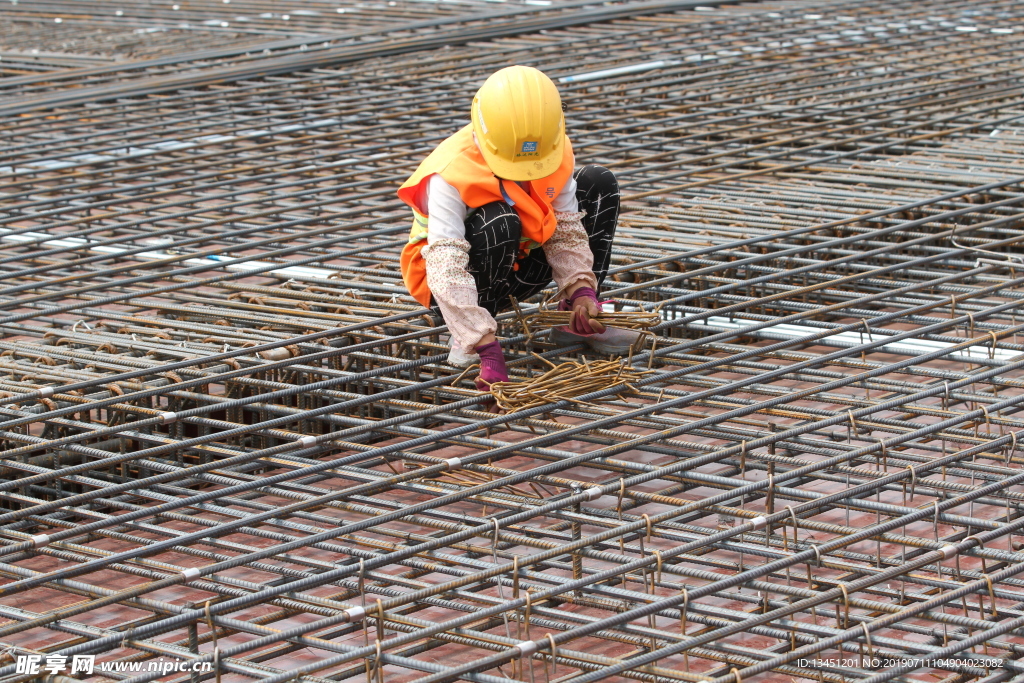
(459, 162)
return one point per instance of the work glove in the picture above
(585, 309)
(492, 369)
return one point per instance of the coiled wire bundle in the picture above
(566, 381)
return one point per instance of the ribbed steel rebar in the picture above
(230, 437)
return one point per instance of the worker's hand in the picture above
(585, 309)
(492, 369)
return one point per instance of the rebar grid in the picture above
(229, 435)
(46, 35)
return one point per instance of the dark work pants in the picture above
(493, 233)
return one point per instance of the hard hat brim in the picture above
(533, 168)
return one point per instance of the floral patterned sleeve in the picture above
(568, 251)
(454, 291)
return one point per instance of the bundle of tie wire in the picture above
(566, 381)
(626, 320)
(545, 318)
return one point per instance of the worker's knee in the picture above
(591, 179)
(493, 224)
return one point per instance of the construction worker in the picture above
(499, 212)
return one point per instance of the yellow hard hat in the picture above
(517, 118)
